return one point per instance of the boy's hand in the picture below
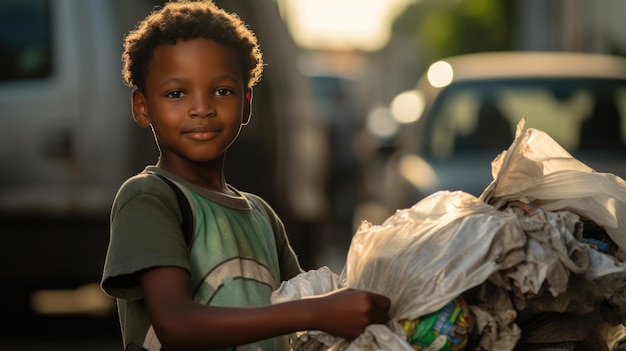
(346, 312)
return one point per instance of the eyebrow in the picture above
(215, 79)
(171, 80)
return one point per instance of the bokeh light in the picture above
(380, 123)
(407, 107)
(440, 74)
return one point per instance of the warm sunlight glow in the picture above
(341, 24)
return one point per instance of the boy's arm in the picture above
(179, 322)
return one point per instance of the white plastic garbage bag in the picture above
(425, 256)
(321, 281)
(537, 168)
(517, 252)
(421, 258)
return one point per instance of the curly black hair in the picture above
(184, 20)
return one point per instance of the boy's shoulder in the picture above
(259, 202)
(143, 183)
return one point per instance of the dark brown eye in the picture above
(223, 91)
(176, 94)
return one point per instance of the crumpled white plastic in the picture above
(520, 261)
(321, 281)
(421, 258)
(425, 256)
(311, 283)
(537, 168)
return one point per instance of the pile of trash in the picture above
(535, 263)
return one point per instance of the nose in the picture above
(202, 106)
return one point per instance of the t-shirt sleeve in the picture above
(289, 265)
(145, 233)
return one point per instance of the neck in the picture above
(209, 175)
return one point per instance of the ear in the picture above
(247, 108)
(140, 109)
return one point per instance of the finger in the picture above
(379, 316)
(382, 301)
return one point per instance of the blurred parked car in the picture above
(467, 107)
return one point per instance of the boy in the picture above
(192, 67)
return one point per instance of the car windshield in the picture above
(481, 116)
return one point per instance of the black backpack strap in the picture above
(185, 208)
(256, 202)
(260, 205)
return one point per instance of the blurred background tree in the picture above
(443, 28)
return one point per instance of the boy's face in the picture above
(195, 100)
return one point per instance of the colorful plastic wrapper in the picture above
(454, 321)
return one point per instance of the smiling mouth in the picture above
(201, 134)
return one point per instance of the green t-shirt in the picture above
(238, 255)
